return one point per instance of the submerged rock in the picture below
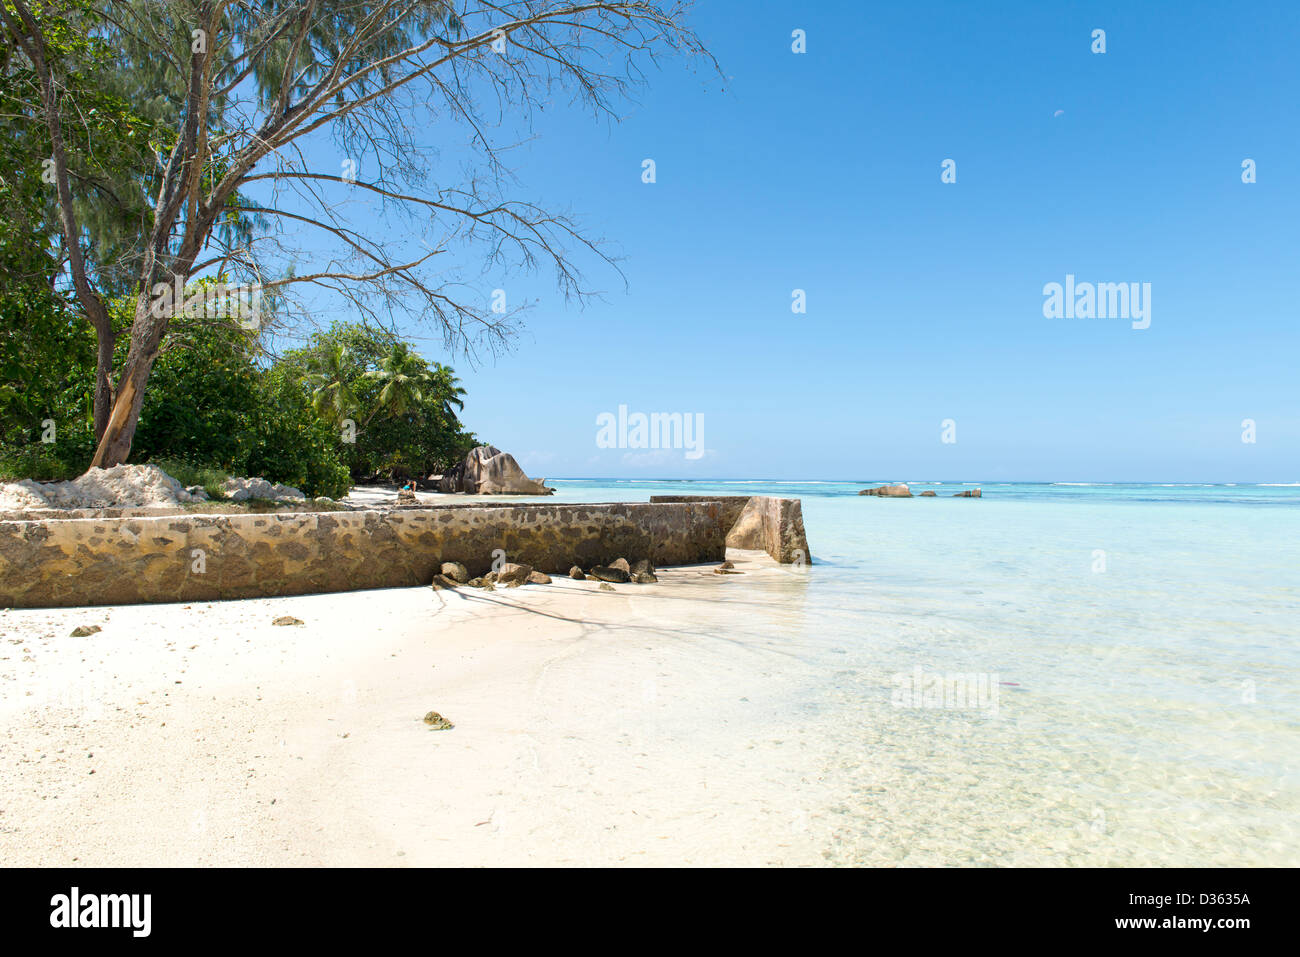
(889, 491)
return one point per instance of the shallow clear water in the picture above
(1131, 652)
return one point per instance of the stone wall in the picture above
(190, 557)
(774, 525)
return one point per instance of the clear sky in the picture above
(821, 171)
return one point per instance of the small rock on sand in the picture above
(81, 631)
(511, 574)
(605, 586)
(287, 620)
(437, 722)
(622, 565)
(608, 573)
(576, 572)
(539, 578)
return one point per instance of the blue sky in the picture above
(821, 171)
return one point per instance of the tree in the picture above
(402, 375)
(331, 393)
(414, 429)
(249, 83)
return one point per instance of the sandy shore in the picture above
(591, 728)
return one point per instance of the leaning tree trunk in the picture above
(103, 380)
(146, 334)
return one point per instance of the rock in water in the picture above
(489, 471)
(576, 572)
(606, 573)
(969, 493)
(928, 493)
(889, 491)
(455, 571)
(437, 722)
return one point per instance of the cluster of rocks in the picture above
(618, 572)
(513, 575)
(902, 491)
(509, 575)
(242, 489)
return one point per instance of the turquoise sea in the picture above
(1131, 655)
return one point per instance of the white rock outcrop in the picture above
(242, 489)
(122, 486)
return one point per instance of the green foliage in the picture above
(211, 479)
(211, 405)
(404, 408)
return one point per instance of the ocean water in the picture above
(1080, 674)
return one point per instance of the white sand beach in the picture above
(205, 735)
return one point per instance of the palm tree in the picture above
(331, 396)
(404, 376)
(445, 390)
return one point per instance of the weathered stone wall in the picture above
(758, 521)
(96, 561)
